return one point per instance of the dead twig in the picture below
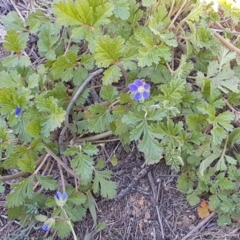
(70, 105)
(155, 197)
(200, 225)
(19, 174)
(17, 10)
(62, 163)
(227, 44)
(140, 175)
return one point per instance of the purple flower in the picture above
(61, 198)
(48, 224)
(140, 90)
(18, 111)
(46, 227)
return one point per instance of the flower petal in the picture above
(138, 96)
(58, 195)
(132, 87)
(45, 227)
(18, 111)
(138, 82)
(146, 95)
(146, 86)
(64, 196)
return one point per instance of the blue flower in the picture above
(18, 111)
(140, 90)
(46, 227)
(61, 198)
(48, 224)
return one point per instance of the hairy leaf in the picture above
(84, 12)
(14, 41)
(22, 190)
(108, 93)
(99, 119)
(47, 182)
(12, 21)
(48, 37)
(53, 115)
(64, 66)
(121, 9)
(108, 50)
(103, 185)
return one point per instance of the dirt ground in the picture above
(148, 205)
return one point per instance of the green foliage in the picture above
(12, 22)
(99, 119)
(22, 191)
(48, 38)
(64, 66)
(84, 166)
(52, 115)
(15, 41)
(47, 182)
(103, 185)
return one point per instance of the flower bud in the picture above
(48, 224)
(61, 198)
(18, 111)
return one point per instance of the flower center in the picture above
(141, 89)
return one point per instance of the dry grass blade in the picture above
(69, 170)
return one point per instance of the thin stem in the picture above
(69, 224)
(124, 73)
(170, 69)
(62, 163)
(17, 10)
(79, 91)
(226, 43)
(19, 174)
(236, 112)
(94, 138)
(68, 46)
(177, 14)
(41, 164)
(170, 11)
(62, 177)
(72, 102)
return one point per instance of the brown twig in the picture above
(62, 177)
(140, 175)
(226, 43)
(41, 164)
(19, 174)
(177, 14)
(170, 11)
(200, 225)
(93, 138)
(62, 163)
(17, 10)
(70, 105)
(235, 111)
(42, 173)
(155, 197)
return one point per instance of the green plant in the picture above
(187, 119)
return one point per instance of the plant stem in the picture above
(70, 105)
(69, 224)
(225, 148)
(19, 174)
